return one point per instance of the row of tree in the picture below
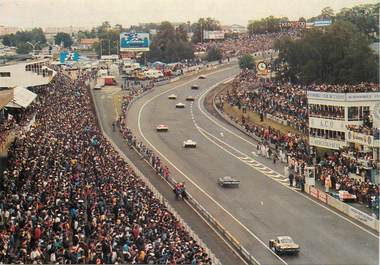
(338, 55)
(25, 40)
(364, 17)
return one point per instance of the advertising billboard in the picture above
(213, 35)
(292, 24)
(322, 23)
(134, 42)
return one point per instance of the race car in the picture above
(189, 143)
(228, 181)
(190, 98)
(284, 245)
(162, 128)
(180, 105)
(172, 96)
(194, 87)
(202, 77)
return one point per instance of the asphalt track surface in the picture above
(263, 206)
(107, 113)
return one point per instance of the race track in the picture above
(263, 206)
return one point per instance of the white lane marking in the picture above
(204, 133)
(301, 194)
(183, 174)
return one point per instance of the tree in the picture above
(214, 54)
(64, 38)
(108, 42)
(86, 34)
(23, 48)
(21, 38)
(203, 24)
(170, 45)
(338, 55)
(8, 40)
(364, 17)
(268, 24)
(246, 61)
(327, 13)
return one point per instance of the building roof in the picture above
(89, 41)
(6, 95)
(20, 77)
(22, 98)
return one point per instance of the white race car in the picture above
(180, 105)
(190, 98)
(194, 87)
(162, 128)
(202, 77)
(189, 143)
(228, 181)
(172, 96)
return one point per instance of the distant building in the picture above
(8, 30)
(86, 44)
(50, 32)
(235, 28)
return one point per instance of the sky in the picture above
(89, 13)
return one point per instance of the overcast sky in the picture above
(87, 13)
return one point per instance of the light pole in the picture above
(33, 46)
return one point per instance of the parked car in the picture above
(194, 87)
(98, 87)
(153, 74)
(180, 105)
(202, 77)
(190, 98)
(284, 245)
(172, 96)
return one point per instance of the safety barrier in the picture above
(343, 207)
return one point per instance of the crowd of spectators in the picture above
(364, 129)
(337, 169)
(289, 103)
(68, 197)
(326, 111)
(244, 43)
(360, 88)
(284, 101)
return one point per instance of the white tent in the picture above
(22, 98)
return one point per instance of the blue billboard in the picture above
(322, 23)
(134, 42)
